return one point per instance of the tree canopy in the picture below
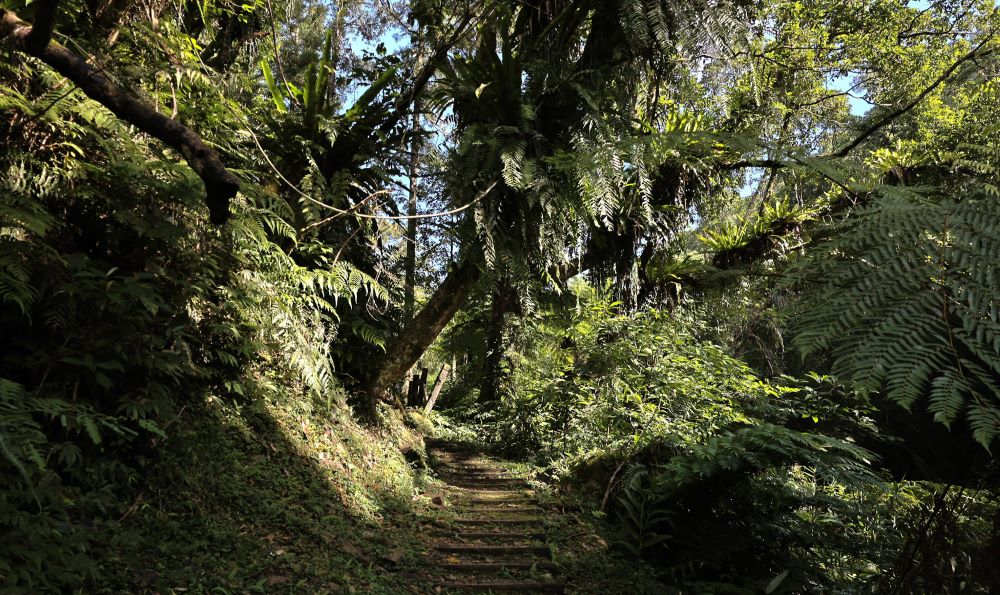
(727, 270)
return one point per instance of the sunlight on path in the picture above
(494, 538)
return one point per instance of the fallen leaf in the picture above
(277, 579)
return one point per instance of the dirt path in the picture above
(493, 539)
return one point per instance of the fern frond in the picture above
(903, 296)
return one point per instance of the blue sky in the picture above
(858, 106)
(393, 41)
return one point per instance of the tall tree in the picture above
(410, 263)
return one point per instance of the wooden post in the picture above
(417, 393)
(442, 376)
(422, 388)
(411, 390)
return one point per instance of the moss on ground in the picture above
(271, 498)
(288, 499)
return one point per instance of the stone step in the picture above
(449, 470)
(489, 489)
(513, 501)
(488, 504)
(471, 462)
(497, 493)
(464, 460)
(500, 509)
(506, 586)
(542, 550)
(493, 535)
(514, 483)
(458, 452)
(480, 521)
(496, 543)
(492, 483)
(489, 567)
(486, 478)
(488, 481)
(478, 474)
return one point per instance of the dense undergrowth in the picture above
(750, 330)
(168, 414)
(723, 480)
(269, 499)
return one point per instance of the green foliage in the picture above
(721, 479)
(121, 312)
(165, 380)
(902, 301)
(595, 379)
(641, 510)
(773, 219)
(282, 496)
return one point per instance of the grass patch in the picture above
(270, 498)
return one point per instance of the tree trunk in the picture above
(442, 377)
(410, 264)
(220, 184)
(504, 302)
(422, 330)
(417, 394)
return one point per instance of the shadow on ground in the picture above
(266, 500)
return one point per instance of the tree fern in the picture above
(643, 512)
(904, 296)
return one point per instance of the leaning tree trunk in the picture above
(221, 184)
(417, 336)
(438, 384)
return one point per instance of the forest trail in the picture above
(494, 539)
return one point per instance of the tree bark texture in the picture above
(417, 394)
(422, 330)
(438, 384)
(220, 184)
(410, 265)
(505, 301)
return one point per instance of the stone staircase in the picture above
(495, 539)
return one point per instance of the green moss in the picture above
(268, 499)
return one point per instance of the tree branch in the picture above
(41, 32)
(761, 163)
(423, 76)
(891, 116)
(220, 184)
(880, 123)
(354, 145)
